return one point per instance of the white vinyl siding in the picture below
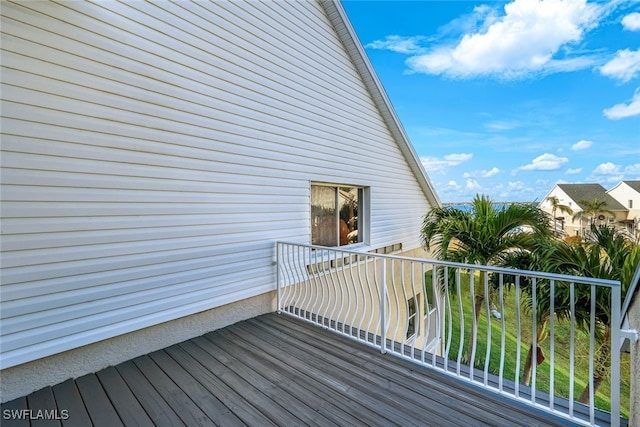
(152, 152)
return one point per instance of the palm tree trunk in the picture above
(526, 375)
(601, 366)
(528, 363)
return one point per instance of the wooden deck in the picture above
(272, 370)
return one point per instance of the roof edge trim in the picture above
(340, 21)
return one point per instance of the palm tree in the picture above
(482, 235)
(538, 260)
(606, 254)
(591, 209)
(557, 206)
(527, 260)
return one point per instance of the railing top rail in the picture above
(489, 268)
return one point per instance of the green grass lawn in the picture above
(561, 341)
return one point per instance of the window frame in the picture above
(413, 323)
(363, 208)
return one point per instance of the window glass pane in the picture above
(348, 197)
(324, 219)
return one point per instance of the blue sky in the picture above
(508, 98)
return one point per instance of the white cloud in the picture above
(632, 171)
(631, 22)
(607, 168)
(482, 173)
(624, 66)
(458, 158)
(454, 185)
(581, 145)
(571, 171)
(545, 162)
(407, 45)
(522, 41)
(501, 125)
(472, 184)
(621, 111)
(606, 172)
(435, 165)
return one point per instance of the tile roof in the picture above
(633, 184)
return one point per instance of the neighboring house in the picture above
(153, 152)
(573, 196)
(627, 193)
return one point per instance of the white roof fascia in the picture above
(349, 38)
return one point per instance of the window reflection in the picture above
(334, 215)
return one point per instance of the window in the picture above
(412, 317)
(630, 204)
(337, 215)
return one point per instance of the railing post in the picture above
(383, 317)
(616, 296)
(278, 278)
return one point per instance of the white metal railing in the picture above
(470, 321)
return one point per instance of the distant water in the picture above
(467, 206)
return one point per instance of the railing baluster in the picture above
(345, 303)
(534, 338)
(435, 280)
(592, 336)
(448, 314)
(572, 304)
(372, 286)
(518, 336)
(417, 327)
(502, 332)
(552, 341)
(461, 316)
(616, 295)
(474, 325)
(278, 277)
(383, 302)
(487, 303)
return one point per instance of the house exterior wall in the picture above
(568, 225)
(153, 152)
(576, 226)
(627, 196)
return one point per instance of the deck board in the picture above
(17, 405)
(154, 405)
(210, 405)
(43, 400)
(197, 368)
(179, 401)
(124, 401)
(99, 407)
(275, 370)
(68, 397)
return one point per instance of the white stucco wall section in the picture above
(153, 152)
(629, 198)
(571, 226)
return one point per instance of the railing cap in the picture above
(488, 268)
